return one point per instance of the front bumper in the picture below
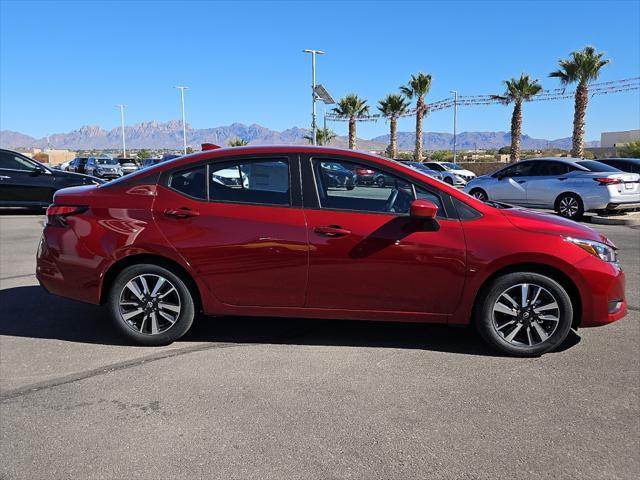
(602, 290)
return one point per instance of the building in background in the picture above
(618, 139)
(50, 156)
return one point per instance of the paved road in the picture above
(268, 398)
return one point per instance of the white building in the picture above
(618, 139)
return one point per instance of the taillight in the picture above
(57, 214)
(608, 181)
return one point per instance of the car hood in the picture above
(79, 177)
(542, 222)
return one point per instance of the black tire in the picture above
(182, 296)
(380, 182)
(448, 180)
(479, 194)
(494, 326)
(570, 205)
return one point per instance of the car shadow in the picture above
(29, 311)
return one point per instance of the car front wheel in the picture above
(524, 314)
(479, 194)
(151, 305)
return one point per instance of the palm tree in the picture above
(583, 67)
(392, 106)
(238, 142)
(320, 136)
(518, 91)
(352, 106)
(418, 87)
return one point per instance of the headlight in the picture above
(601, 250)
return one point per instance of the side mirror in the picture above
(38, 171)
(423, 209)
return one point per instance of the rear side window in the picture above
(594, 166)
(190, 182)
(546, 169)
(263, 181)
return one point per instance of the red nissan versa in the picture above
(258, 231)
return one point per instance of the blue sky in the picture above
(66, 64)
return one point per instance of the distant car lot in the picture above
(258, 398)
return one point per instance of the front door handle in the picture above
(181, 212)
(332, 231)
(4, 177)
(522, 181)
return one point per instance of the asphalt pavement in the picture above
(275, 398)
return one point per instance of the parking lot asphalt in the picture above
(274, 398)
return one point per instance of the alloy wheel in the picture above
(149, 304)
(480, 195)
(526, 314)
(568, 207)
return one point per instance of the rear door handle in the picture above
(181, 213)
(4, 177)
(332, 231)
(522, 181)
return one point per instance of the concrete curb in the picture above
(630, 220)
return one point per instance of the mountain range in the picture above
(168, 135)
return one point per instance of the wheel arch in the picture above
(142, 258)
(543, 269)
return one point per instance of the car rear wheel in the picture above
(569, 205)
(380, 182)
(479, 194)
(151, 305)
(525, 314)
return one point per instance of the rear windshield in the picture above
(594, 166)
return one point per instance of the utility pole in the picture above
(455, 122)
(314, 127)
(184, 125)
(124, 145)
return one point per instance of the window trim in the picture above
(448, 209)
(190, 167)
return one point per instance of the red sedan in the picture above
(255, 231)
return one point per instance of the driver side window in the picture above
(353, 186)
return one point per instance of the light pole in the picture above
(313, 90)
(455, 121)
(124, 145)
(184, 125)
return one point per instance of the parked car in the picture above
(570, 186)
(421, 167)
(25, 182)
(64, 166)
(103, 167)
(364, 176)
(165, 243)
(78, 165)
(128, 165)
(456, 177)
(631, 165)
(150, 162)
(337, 176)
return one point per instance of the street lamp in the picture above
(124, 145)
(455, 121)
(313, 90)
(184, 125)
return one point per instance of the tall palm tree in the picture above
(352, 106)
(322, 138)
(392, 106)
(582, 68)
(518, 91)
(418, 87)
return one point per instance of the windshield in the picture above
(452, 166)
(594, 166)
(124, 161)
(107, 161)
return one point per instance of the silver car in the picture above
(571, 186)
(103, 167)
(452, 173)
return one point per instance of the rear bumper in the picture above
(72, 276)
(623, 205)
